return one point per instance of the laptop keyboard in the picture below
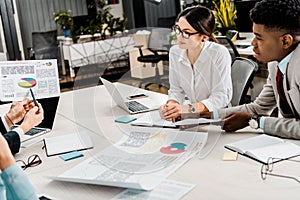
(31, 131)
(135, 106)
(34, 131)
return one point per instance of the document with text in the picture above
(140, 160)
(17, 77)
(167, 190)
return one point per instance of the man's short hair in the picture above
(278, 14)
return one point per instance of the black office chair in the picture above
(158, 45)
(242, 74)
(224, 40)
(45, 45)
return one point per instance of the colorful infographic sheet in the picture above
(18, 77)
(140, 160)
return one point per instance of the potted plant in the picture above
(225, 13)
(64, 20)
(107, 23)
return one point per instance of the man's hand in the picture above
(236, 121)
(18, 110)
(33, 118)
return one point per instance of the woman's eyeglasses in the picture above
(32, 161)
(184, 34)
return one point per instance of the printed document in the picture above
(17, 77)
(140, 160)
(167, 190)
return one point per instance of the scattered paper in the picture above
(167, 190)
(140, 160)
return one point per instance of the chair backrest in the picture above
(224, 40)
(45, 45)
(242, 74)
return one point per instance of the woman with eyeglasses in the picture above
(13, 182)
(199, 68)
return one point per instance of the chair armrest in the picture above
(157, 51)
(140, 49)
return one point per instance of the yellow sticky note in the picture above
(230, 156)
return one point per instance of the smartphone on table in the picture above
(137, 96)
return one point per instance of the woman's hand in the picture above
(170, 111)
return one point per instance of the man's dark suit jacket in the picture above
(12, 138)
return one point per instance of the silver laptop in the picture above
(131, 106)
(49, 106)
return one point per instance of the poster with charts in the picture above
(17, 77)
(140, 160)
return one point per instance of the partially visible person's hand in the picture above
(32, 118)
(18, 110)
(236, 121)
(6, 158)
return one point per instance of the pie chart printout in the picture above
(27, 83)
(174, 148)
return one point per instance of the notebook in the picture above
(131, 106)
(50, 106)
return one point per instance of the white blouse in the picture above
(208, 82)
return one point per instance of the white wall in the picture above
(117, 9)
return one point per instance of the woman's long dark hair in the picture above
(201, 19)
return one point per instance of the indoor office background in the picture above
(26, 24)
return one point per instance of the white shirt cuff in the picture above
(4, 123)
(215, 114)
(208, 105)
(20, 132)
(262, 122)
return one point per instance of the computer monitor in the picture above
(243, 21)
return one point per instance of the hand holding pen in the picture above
(18, 110)
(34, 100)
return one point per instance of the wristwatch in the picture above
(192, 109)
(254, 122)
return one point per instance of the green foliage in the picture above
(104, 22)
(225, 13)
(63, 19)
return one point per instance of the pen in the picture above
(34, 100)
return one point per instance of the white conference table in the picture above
(214, 179)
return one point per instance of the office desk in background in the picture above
(244, 45)
(93, 51)
(92, 110)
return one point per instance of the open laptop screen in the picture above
(50, 106)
